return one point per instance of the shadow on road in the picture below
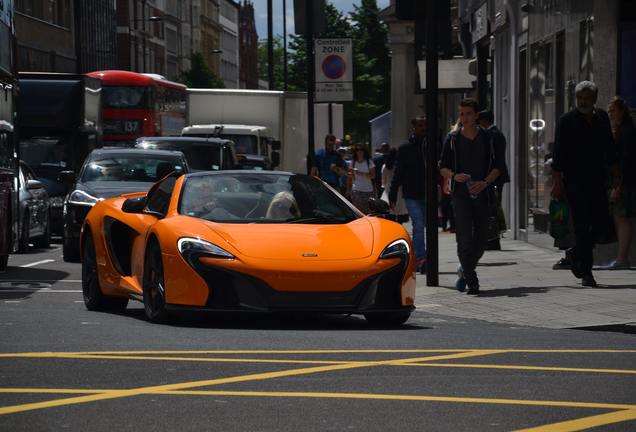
(268, 321)
(19, 282)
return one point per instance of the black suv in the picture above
(202, 154)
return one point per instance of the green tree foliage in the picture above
(200, 75)
(371, 64)
(278, 54)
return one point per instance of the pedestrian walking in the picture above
(473, 163)
(623, 197)
(378, 160)
(328, 163)
(398, 212)
(362, 172)
(584, 148)
(409, 174)
(486, 120)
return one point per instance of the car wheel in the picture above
(23, 241)
(70, 253)
(4, 260)
(387, 319)
(93, 297)
(154, 285)
(45, 240)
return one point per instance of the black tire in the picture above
(70, 252)
(387, 319)
(45, 240)
(23, 240)
(154, 286)
(4, 261)
(94, 299)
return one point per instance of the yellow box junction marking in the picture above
(625, 412)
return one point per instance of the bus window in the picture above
(125, 97)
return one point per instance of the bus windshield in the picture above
(125, 97)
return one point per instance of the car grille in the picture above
(230, 290)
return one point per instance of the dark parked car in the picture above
(34, 212)
(202, 154)
(7, 177)
(110, 172)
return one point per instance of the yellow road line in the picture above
(204, 383)
(369, 351)
(331, 395)
(55, 390)
(522, 367)
(495, 401)
(203, 359)
(586, 422)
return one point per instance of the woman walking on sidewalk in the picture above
(622, 199)
(362, 172)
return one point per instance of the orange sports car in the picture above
(245, 240)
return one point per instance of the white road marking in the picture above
(12, 301)
(37, 262)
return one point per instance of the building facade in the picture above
(95, 35)
(248, 47)
(229, 20)
(529, 57)
(211, 35)
(45, 32)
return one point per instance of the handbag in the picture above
(559, 219)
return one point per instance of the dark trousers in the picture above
(446, 208)
(471, 231)
(588, 205)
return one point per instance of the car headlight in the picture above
(396, 249)
(189, 246)
(82, 198)
(56, 201)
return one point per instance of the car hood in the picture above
(113, 189)
(353, 240)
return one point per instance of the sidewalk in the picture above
(518, 286)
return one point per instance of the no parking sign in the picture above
(334, 77)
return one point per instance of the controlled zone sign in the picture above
(334, 73)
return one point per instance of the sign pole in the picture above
(311, 82)
(432, 81)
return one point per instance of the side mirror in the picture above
(378, 206)
(275, 145)
(34, 184)
(275, 159)
(134, 204)
(68, 177)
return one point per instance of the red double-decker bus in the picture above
(136, 105)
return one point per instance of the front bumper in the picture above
(230, 290)
(74, 216)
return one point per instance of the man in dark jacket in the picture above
(583, 150)
(473, 163)
(409, 173)
(487, 121)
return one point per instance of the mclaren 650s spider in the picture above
(245, 241)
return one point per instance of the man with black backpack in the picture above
(473, 163)
(486, 120)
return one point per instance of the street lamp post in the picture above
(152, 19)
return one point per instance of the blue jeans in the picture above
(417, 212)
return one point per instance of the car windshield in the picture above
(200, 157)
(137, 168)
(244, 143)
(125, 97)
(263, 198)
